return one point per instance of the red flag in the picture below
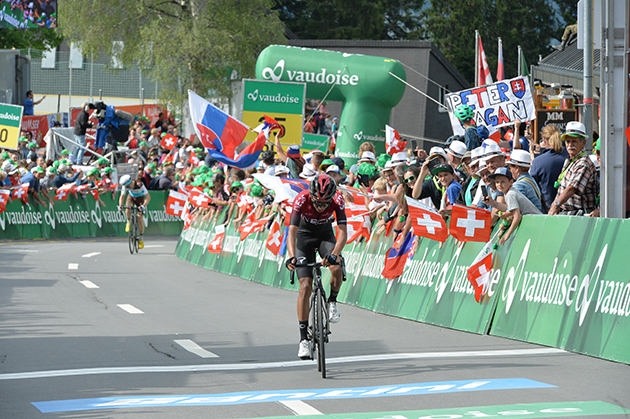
(186, 216)
(4, 198)
(395, 259)
(94, 193)
(185, 190)
(392, 141)
(274, 240)
(426, 222)
(193, 159)
(484, 70)
(82, 188)
(21, 192)
(359, 223)
(479, 276)
(469, 224)
(169, 159)
(216, 245)
(199, 199)
(64, 191)
(176, 203)
(168, 141)
(358, 196)
(254, 227)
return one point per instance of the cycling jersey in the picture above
(136, 192)
(305, 215)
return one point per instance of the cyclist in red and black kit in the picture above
(311, 231)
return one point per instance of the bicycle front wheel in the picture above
(132, 238)
(136, 232)
(321, 332)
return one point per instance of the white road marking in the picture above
(73, 266)
(153, 245)
(27, 250)
(300, 408)
(191, 346)
(89, 255)
(88, 284)
(130, 309)
(287, 364)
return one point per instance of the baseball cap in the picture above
(37, 169)
(108, 170)
(502, 171)
(143, 144)
(339, 162)
(256, 190)
(575, 129)
(65, 152)
(367, 156)
(442, 168)
(367, 169)
(94, 172)
(51, 171)
(326, 163)
(102, 160)
(334, 168)
(235, 185)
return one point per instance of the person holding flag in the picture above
(311, 232)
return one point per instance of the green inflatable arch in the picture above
(361, 82)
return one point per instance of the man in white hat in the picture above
(281, 171)
(577, 184)
(519, 164)
(456, 151)
(470, 187)
(368, 157)
(308, 172)
(400, 157)
(389, 174)
(493, 155)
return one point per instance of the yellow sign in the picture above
(10, 121)
(292, 126)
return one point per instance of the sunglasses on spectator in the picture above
(409, 179)
(322, 204)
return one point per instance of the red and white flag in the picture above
(94, 193)
(393, 144)
(274, 240)
(175, 203)
(426, 222)
(21, 192)
(484, 70)
(184, 189)
(359, 223)
(64, 191)
(469, 224)
(357, 195)
(479, 276)
(82, 188)
(5, 195)
(216, 245)
(194, 160)
(186, 216)
(168, 141)
(199, 199)
(253, 227)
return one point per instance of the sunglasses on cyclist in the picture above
(409, 179)
(321, 204)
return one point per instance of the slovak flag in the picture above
(392, 141)
(176, 203)
(168, 141)
(469, 224)
(484, 70)
(426, 222)
(220, 134)
(199, 199)
(64, 191)
(395, 259)
(253, 227)
(216, 245)
(479, 275)
(21, 192)
(274, 240)
(4, 198)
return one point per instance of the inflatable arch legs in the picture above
(361, 82)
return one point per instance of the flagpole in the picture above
(520, 61)
(476, 82)
(500, 58)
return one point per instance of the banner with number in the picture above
(10, 121)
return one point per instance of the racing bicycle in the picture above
(134, 228)
(319, 325)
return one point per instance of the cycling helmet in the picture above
(464, 112)
(322, 187)
(125, 180)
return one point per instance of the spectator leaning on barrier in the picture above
(32, 178)
(547, 166)
(446, 176)
(519, 163)
(577, 183)
(516, 204)
(428, 186)
(62, 178)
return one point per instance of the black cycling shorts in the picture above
(308, 243)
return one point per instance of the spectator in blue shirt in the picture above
(32, 178)
(465, 115)
(446, 176)
(519, 164)
(61, 179)
(29, 104)
(546, 167)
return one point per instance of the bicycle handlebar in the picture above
(340, 262)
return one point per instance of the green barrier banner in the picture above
(83, 217)
(571, 293)
(566, 284)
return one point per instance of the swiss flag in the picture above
(169, 159)
(358, 196)
(186, 216)
(185, 190)
(176, 203)
(168, 141)
(392, 141)
(94, 193)
(199, 199)
(274, 240)
(359, 222)
(82, 188)
(469, 224)
(21, 192)
(64, 191)
(193, 159)
(245, 202)
(5, 195)
(253, 227)
(426, 222)
(216, 245)
(479, 276)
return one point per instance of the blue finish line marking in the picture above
(413, 389)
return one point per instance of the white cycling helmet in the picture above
(125, 180)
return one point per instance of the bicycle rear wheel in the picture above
(321, 333)
(132, 238)
(136, 232)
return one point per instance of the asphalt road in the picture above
(89, 331)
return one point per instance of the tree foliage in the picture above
(451, 25)
(358, 19)
(181, 43)
(39, 39)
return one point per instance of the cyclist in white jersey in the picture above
(138, 195)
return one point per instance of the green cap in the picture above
(598, 146)
(235, 185)
(151, 165)
(94, 172)
(197, 182)
(162, 135)
(37, 169)
(256, 190)
(65, 161)
(143, 144)
(207, 191)
(204, 169)
(53, 171)
(65, 153)
(211, 184)
(56, 164)
(102, 160)
(382, 159)
(144, 131)
(108, 170)
(367, 169)
(32, 145)
(327, 162)
(5, 155)
(22, 139)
